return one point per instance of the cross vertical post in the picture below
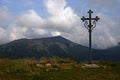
(90, 24)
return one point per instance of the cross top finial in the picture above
(90, 11)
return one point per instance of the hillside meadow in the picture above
(56, 69)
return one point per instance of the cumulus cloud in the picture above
(108, 6)
(54, 6)
(61, 20)
(4, 15)
(104, 34)
(4, 37)
(60, 16)
(17, 32)
(30, 19)
(64, 20)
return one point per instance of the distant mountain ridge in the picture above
(54, 46)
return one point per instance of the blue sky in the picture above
(17, 6)
(43, 18)
(79, 6)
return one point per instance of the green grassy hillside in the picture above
(56, 69)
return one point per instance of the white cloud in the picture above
(104, 34)
(4, 36)
(107, 6)
(56, 33)
(29, 19)
(61, 18)
(4, 15)
(64, 20)
(55, 7)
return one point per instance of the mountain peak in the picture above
(55, 39)
(58, 36)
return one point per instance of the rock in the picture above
(55, 69)
(48, 65)
(90, 66)
(39, 65)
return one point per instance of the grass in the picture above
(61, 69)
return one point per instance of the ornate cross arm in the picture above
(96, 18)
(90, 22)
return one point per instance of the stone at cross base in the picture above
(90, 66)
